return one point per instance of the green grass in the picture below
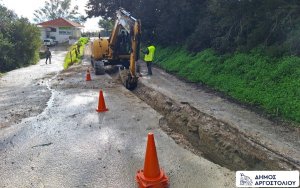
(71, 57)
(272, 84)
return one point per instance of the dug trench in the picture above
(211, 138)
(207, 136)
(215, 140)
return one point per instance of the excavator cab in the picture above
(121, 48)
(123, 43)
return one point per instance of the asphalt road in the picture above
(69, 144)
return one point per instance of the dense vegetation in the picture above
(225, 26)
(252, 78)
(75, 53)
(245, 48)
(19, 41)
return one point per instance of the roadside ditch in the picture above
(213, 139)
(207, 136)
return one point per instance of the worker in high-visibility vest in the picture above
(149, 56)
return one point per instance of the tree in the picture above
(225, 26)
(58, 9)
(27, 42)
(19, 41)
(162, 20)
(106, 24)
(107, 8)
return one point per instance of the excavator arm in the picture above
(133, 28)
(111, 51)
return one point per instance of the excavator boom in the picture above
(122, 47)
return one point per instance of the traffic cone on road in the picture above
(101, 103)
(152, 176)
(88, 75)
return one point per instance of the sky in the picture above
(26, 8)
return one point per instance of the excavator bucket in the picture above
(129, 81)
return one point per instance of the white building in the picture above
(60, 29)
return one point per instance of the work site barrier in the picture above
(75, 53)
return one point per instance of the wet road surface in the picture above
(24, 93)
(71, 145)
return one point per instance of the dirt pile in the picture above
(69, 79)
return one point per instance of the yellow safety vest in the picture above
(150, 55)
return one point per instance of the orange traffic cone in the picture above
(101, 103)
(88, 75)
(152, 176)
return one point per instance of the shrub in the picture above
(19, 41)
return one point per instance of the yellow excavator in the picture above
(121, 48)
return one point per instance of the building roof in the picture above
(60, 22)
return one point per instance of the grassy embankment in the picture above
(271, 84)
(73, 57)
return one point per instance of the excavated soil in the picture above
(207, 136)
(68, 79)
